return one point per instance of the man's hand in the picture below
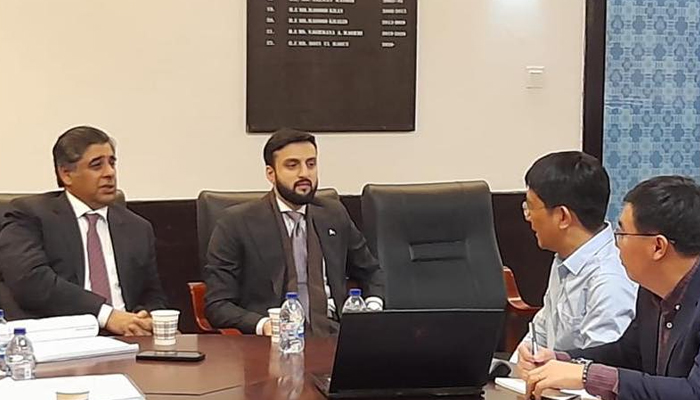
(554, 375)
(267, 328)
(129, 324)
(142, 323)
(528, 362)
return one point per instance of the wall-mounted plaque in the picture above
(331, 65)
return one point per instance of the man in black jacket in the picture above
(289, 240)
(77, 252)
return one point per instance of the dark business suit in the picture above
(635, 352)
(246, 262)
(42, 260)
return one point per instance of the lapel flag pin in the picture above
(331, 232)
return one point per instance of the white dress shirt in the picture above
(374, 303)
(81, 209)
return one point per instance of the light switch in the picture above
(535, 77)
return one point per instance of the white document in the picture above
(57, 328)
(69, 338)
(519, 386)
(101, 387)
(71, 349)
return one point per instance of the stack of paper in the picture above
(519, 386)
(100, 387)
(71, 349)
(68, 338)
(57, 328)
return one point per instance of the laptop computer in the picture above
(413, 353)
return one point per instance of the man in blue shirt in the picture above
(589, 300)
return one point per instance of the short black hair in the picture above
(71, 146)
(573, 179)
(282, 138)
(670, 206)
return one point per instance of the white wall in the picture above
(166, 78)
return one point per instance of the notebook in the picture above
(518, 386)
(69, 338)
(100, 387)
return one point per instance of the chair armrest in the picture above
(516, 304)
(230, 332)
(204, 325)
(197, 291)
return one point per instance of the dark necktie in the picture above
(99, 280)
(300, 259)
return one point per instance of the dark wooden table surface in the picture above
(235, 368)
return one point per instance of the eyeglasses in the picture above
(527, 209)
(618, 234)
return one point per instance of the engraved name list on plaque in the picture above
(331, 65)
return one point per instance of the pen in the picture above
(533, 339)
(533, 346)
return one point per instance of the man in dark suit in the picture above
(75, 251)
(658, 357)
(288, 241)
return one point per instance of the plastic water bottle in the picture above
(5, 337)
(291, 381)
(20, 356)
(292, 325)
(354, 302)
(3, 367)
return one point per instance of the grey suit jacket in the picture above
(245, 269)
(42, 262)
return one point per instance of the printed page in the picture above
(58, 328)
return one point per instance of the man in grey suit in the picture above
(77, 252)
(289, 240)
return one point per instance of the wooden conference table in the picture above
(235, 368)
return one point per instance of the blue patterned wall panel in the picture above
(652, 92)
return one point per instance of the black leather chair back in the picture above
(6, 199)
(436, 243)
(211, 205)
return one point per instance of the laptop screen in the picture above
(415, 350)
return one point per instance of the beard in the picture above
(295, 198)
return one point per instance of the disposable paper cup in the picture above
(73, 394)
(274, 314)
(164, 326)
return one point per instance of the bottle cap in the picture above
(355, 292)
(20, 331)
(292, 295)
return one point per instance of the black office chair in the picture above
(5, 199)
(436, 243)
(211, 205)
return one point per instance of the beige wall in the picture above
(166, 78)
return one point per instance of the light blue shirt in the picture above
(590, 299)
